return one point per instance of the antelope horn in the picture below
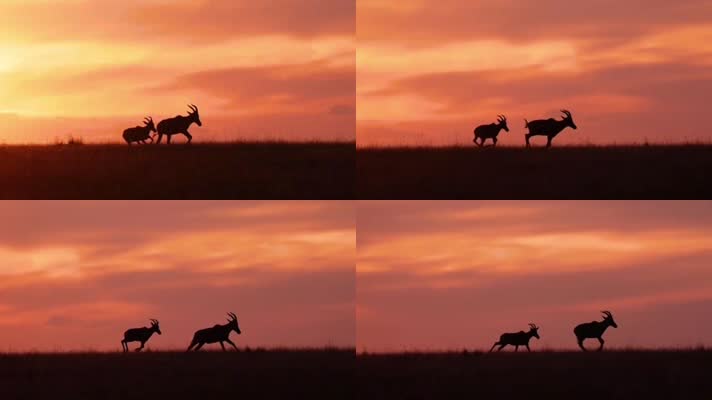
(146, 120)
(533, 326)
(567, 112)
(608, 313)
(193, 107)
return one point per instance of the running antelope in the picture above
(179, 124)
(490, 131)
(140, 133)
(517, 339)
(594, 330)
(217, 333)
(140, 335)
(548, 127)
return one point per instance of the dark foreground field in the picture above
(643, 172)
(262, 171)
(544, 375)
(165, 375)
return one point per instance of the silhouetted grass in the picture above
(272, 374)
(591, 172)
(265, 170)
(546, 375)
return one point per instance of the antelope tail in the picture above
(526, 123)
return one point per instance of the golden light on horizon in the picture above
(93, 66)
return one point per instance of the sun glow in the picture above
(98, 66)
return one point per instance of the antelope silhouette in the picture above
(179, 124)
(139, 335)
(548, 127)
(217, 333)
(490, 131)
(594, 330)
(517, 339)
(140, 133)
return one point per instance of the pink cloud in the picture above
(429, 73)
(431, 275)
(285, 268)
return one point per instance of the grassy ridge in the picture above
(261, 171)
(592, 172)
(278, 374)
(545, 375)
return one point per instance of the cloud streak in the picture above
(79, 273)
(495, 266)
(441, 69)
(108, 60)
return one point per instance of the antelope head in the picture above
(193, 113)
(148, 121)
(567, 119)
(154, 324)
(608, 319)
(232, 323)
(534, 330)
(502, 121)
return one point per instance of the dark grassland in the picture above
(539, 375)
(614, 172)
(263, 171)
(274, 374)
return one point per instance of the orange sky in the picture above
(75, 275)
(448, 275)
(429, 71)
(280, 69)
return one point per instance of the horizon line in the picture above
(473, 351)
(459, 146)
(245, 349)
(176, 144)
